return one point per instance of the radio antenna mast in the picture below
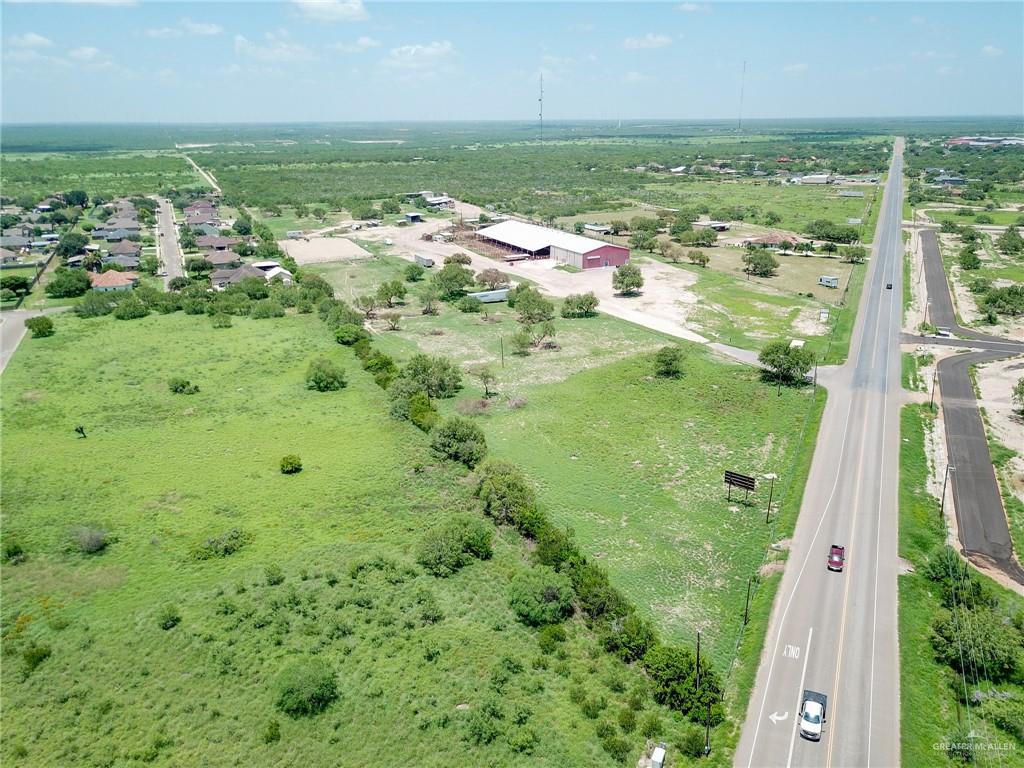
(540, 101)
(743, 78)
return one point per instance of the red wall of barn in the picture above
(610, 255)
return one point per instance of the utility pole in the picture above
(942, 504)
(931, 400)
(771, 492)
(746, 608)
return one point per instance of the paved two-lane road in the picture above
(835, 633)
(168, 248)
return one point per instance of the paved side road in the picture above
(977, 498)
(12, 330)
(168, 247)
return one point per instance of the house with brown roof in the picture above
(113, 281)
(223, 259)
(216, 242)
(222, 278)
(125, 248)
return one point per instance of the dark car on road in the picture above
(836, 558)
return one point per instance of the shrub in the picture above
(130, 308)
(324, 376)
(266, 308)
(35, 654)
(400, 393)
(221, 546)
(169, 617)
(413, 273)
(523, 741)
(220, 320)
(550, 637)
(541, 596)
(505, 494)
(305, 687)
(41, 326)
(469, 304)
(446, 549)
(960, 746)
(651, 726)
(668, 362)
(67, 283)
(691, 741)
(349, 333)
(459, 439)
(273, 575)
(630, 638)
(89, 540)
(422, 412)
(180, 386)
(627, 720)
(672, 671)
(291, 464)
(615, 746)
(94, 304)
(13, 552)
(593, 707)
(458, 258)
(272, 732)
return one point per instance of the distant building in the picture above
(113, 280)
(414, 218)
(718, 226)
(950, 181)
(816, 178)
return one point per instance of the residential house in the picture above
(205, 229)
(125, 248)
(223, 259)
(14, 242)
(6, 256)
(222, 278)
(216, 242)
(113, 280)
(125, 262)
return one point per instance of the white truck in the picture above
(812, 715)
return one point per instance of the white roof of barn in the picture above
(531, 237)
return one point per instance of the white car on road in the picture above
(812, 715)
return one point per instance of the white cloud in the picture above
(933, 55)
(581, 27)
(918, 20)
(201, 28)
(947, 70)
(422, 59)
(331, 10)
(186, 27)
(694, 8)
(29, 40)
(634, 77)
(991, 51)
(277, 46)
(85, 53)
(363, 43)
(650, 40)
(794, 69)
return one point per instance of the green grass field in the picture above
(288, 221)
(999, 218)
(930, 691)
(161, 473)
(103, 173)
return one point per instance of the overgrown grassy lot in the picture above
(937, 705)
(634, 465)
(104, 174)
(144, 652)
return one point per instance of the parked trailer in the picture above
(491, 297)
(424, 261)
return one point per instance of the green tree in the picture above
(492, 278)
(968, 259)
(627, 280)
(452, 281)
(1018, 395)
(761, 263)
(533, 308)
(578, 228)
(1010, 241)
(20, 285)
(580, 305)
(699, 258)
(390, 291)
(786, 362)
(450, 547)
(130, 308)
(853, 254)
(429, 295)
(618, 226)
(459, 439)
(438, 376)
(69, 244)
(413, 273)
(390, 205)
(324, 375)
(487, 377)
(67, 283)
(76, 197)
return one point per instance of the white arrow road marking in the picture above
(775, 717)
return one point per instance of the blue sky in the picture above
(343, 60)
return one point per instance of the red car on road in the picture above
(836, 557)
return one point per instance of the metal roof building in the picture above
(535, 242)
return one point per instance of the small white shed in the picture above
(829, 281)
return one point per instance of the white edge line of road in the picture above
(789, 602)
(799, 700)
